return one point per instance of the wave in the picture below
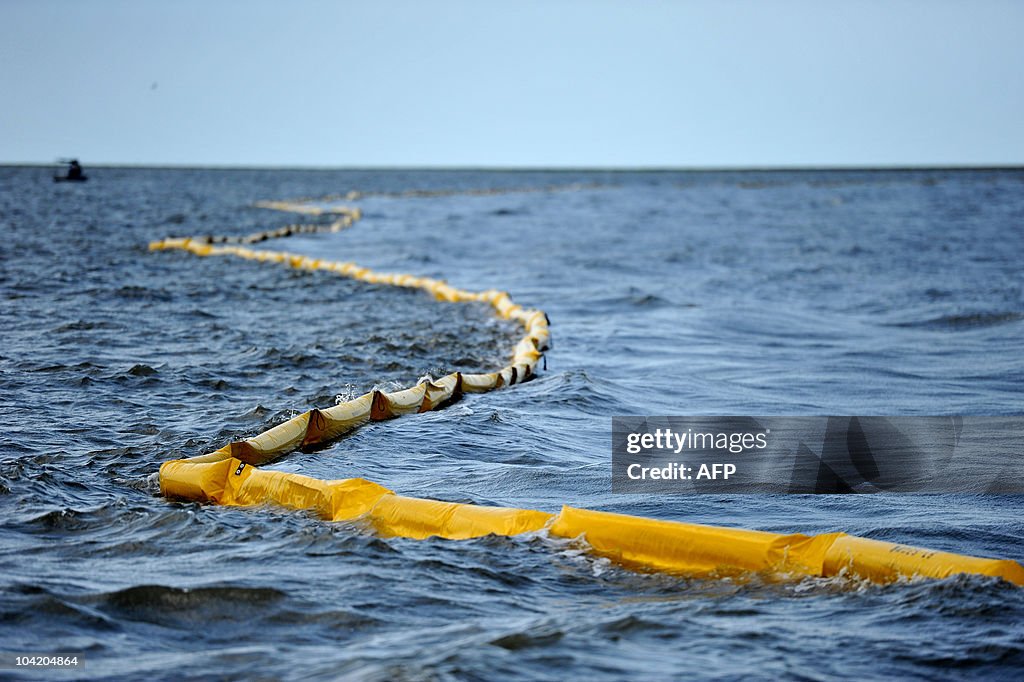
(963, 321)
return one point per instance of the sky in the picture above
(554, 83)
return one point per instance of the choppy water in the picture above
(669, 293)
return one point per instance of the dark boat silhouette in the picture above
(74, 173)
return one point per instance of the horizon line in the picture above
(530, 168)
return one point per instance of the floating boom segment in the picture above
(649, 544)
(231, 475)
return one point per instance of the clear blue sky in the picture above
(546, 83)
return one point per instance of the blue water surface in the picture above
(803, 292)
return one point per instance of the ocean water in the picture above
(803, 293)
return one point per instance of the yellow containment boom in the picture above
(650, 544)
(231, 475)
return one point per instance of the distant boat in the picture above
(74, 173)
